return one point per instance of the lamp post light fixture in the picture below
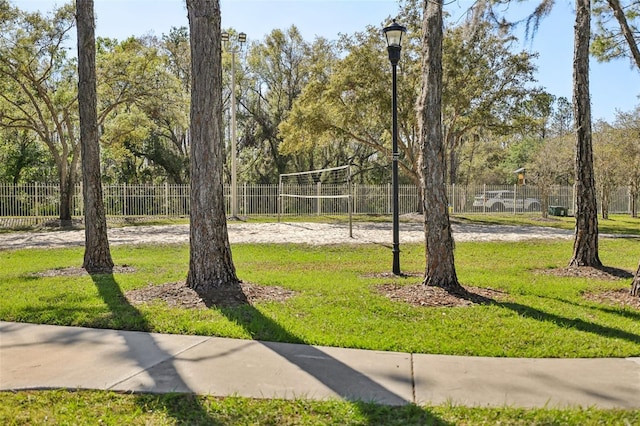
(393, 33)
(233, 47)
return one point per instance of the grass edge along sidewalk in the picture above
(110, 408)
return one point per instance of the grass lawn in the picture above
(336, 303)
(89, 407)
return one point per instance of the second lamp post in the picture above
(393, 33)
(233, 48)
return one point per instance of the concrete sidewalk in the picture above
(43, 356)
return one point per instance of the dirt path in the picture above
(298, 233)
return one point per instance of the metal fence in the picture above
(40, 201)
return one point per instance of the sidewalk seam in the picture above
(142, 370)
(413, 379)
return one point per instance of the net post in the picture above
(279, 200)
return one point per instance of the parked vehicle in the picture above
(501, 201)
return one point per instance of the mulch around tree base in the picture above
(177, 294)
(619, 297)
(435, 297)
(604, 273)
(77, 271)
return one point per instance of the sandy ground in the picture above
(298, 233)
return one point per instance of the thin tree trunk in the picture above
(97, 256)
(544, 200)
(211, 269)
(626, 30)
(453, 165)
(604, 203)
(440, 268)
(635, 284)
(66, 195)
(585, 246)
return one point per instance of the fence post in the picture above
(166, 198)
(484, 198)
(279, 200)
(36, 202)
(81, 196)
(354, 205)
(124, 199)
(319, 200)
(244, 198)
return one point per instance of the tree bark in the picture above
(440, 268)
(635, 284)
(66, 195)
(585, 245)
(211, 268)
(97, 256)
(605, 205)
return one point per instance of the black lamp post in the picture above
(393, 34)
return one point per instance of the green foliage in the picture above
(607, 155)
(486, 90)
(343, 116)
(628, 124)
(23, 158)
(277, 70)
(301, 105)
(609, 41)
(562, 118)
(144, 110)
(38, 88)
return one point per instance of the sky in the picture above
(615, 86)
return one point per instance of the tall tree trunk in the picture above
(440, 269)
(211, 268)
(635, 284)
(585, 245)
(97, 256)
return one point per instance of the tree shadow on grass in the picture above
(126, 317)
(599, 306)
(570, 323)
(343, 380)
(574, 323)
